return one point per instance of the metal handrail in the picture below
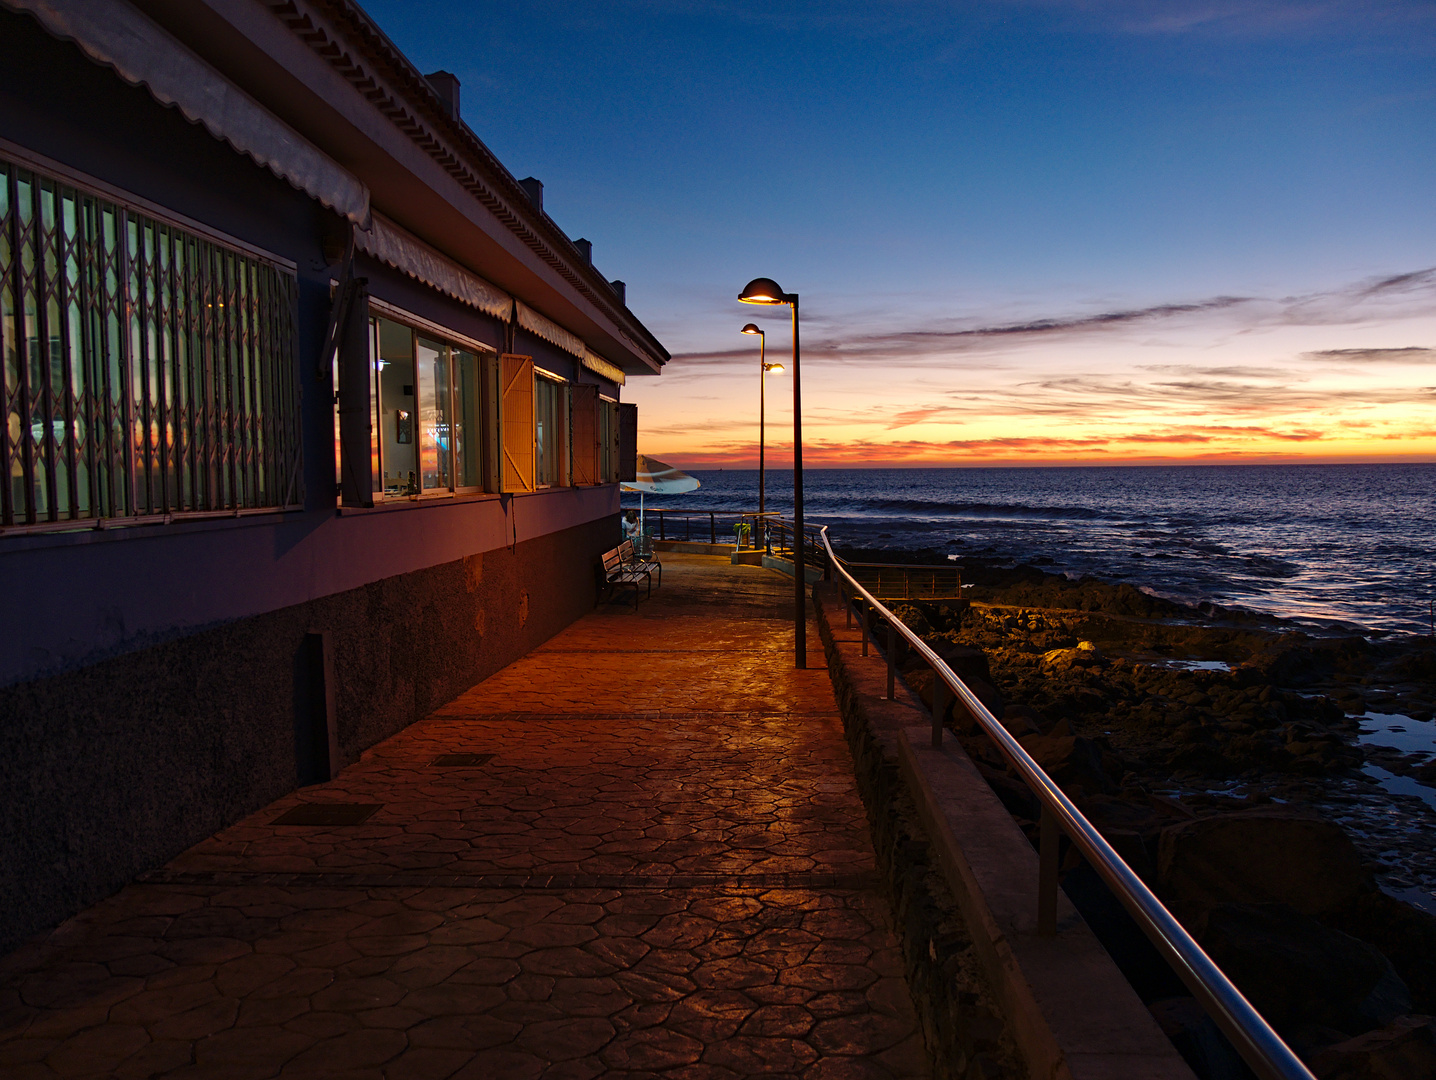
(1252, 1037)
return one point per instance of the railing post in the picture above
(661, 534)
(1048, 842)
(938, 707)
(863, 616)
(892, 661)
(712, 528)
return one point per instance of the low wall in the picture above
(1070, 1013)
(115, 768)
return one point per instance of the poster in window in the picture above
(404, 422)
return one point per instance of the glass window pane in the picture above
(550, 431)
(434, 438)
(468, 434)
(376, 429)
(543, 430)
(397, 422)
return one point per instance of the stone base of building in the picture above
(113, 769)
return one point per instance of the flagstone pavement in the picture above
(662, 871)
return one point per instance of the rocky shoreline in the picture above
(1223, 754)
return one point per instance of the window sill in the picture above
(460, 499)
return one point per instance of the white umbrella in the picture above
(655, 477)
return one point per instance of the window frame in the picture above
(565, 423)
(485, 356)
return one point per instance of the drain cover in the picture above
(333, 813)
(463, 759)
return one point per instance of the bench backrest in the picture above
(612, 560)
(625, 551)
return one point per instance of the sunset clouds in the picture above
(1226, 378)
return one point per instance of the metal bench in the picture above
(631, 558)
(617, 573)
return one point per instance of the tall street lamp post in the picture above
(764, 368)
(767, 292)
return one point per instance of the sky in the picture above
(1022, 231)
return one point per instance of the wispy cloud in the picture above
(1412, 354)
(1390, 296)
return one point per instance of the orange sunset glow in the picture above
(1341, 376)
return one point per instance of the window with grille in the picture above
(147, 371)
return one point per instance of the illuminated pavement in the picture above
(663, 870)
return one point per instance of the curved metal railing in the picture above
(1252, 1037)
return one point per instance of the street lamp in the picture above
(768, 293)
(765, 367)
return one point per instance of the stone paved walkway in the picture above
(664, 870)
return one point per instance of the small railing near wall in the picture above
(1252, 1037)
(707, 526)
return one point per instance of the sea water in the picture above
(1350, 544)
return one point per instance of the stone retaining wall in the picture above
(961, 1020)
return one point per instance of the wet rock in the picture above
(1404, 1049)
(1299, 973)
(1262, 856)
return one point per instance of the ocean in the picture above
(1322, 544)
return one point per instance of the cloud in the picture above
(1411, 354)
(1391, 296)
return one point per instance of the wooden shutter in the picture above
(627, 442)
(585, 434)
(516, 389)
(355, 384)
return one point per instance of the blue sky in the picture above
(918, 169)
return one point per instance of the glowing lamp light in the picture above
(763, 290)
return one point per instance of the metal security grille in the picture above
(147, 372)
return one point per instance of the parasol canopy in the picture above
(653, 477)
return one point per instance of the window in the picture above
(145, 370)
(550, 432)
(607, 441)
(427, 412)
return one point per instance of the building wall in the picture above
(113, 769)
(155, 684)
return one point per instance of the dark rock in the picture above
(1134, 954)
(1404, 933)
(1404, 1049)
(1262, 856)
(1311, 983)
(1021, 720)
(965, 661)
(1198, 1039)
(1297, 972)
(1073, 762)
(921, 681)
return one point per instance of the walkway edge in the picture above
(1073, 1014)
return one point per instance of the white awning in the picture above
(555, 334)
(115, 34)
(598, 364)
(389, 243)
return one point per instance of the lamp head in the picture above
(773, 369)
(751, 328)
(763, 291)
